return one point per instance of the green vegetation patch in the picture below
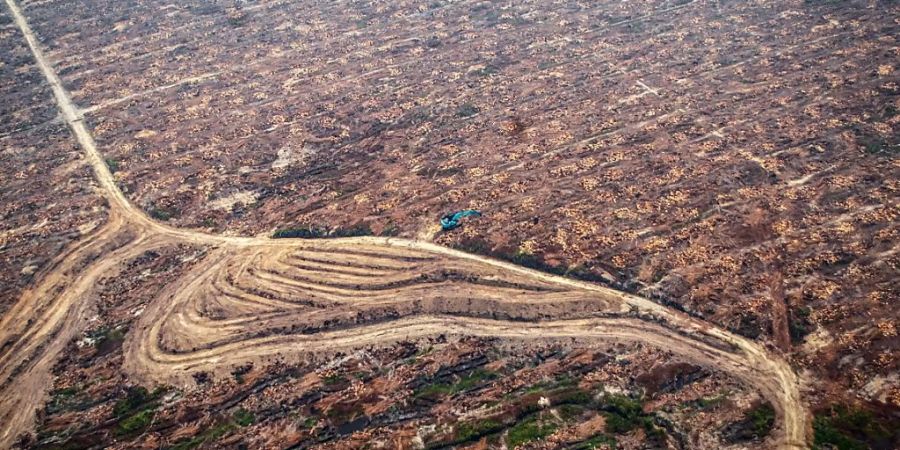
(137, 422)
(112, 164)
(564, 381)
(68, 399)
(315, 232)
(705, 403)
(600, 441)
(136, 411)
(624, 414)
(800, 324)
(880, 147)
(164, 213)
(469, 431)
(137, 398)
(756, 424)
(473, 379)
(846, 428)
(334, 379)
(528, 430)
(244, 418)
(762, 418)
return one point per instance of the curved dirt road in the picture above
(347, 292)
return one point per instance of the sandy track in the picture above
(354, 292)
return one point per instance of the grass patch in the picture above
(434, 391)
(390, 230)
(308, 232)
(570, 411)
(65, 392)
(529, 430)
(239, 372)
(873, 144)
(800, 324)
(889, 112)
(564, 381)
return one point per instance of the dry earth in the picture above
(244, 299)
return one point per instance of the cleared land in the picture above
(43, 320)
(739, 180)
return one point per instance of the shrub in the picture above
(135, 398)
(467, 110)
(762, 418)
(244, 418)
(112, 164)
(334, 379)
(163, 214)
(756, 424)
(68, 399)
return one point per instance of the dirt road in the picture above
(379, 290)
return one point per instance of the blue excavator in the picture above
(452, 220)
